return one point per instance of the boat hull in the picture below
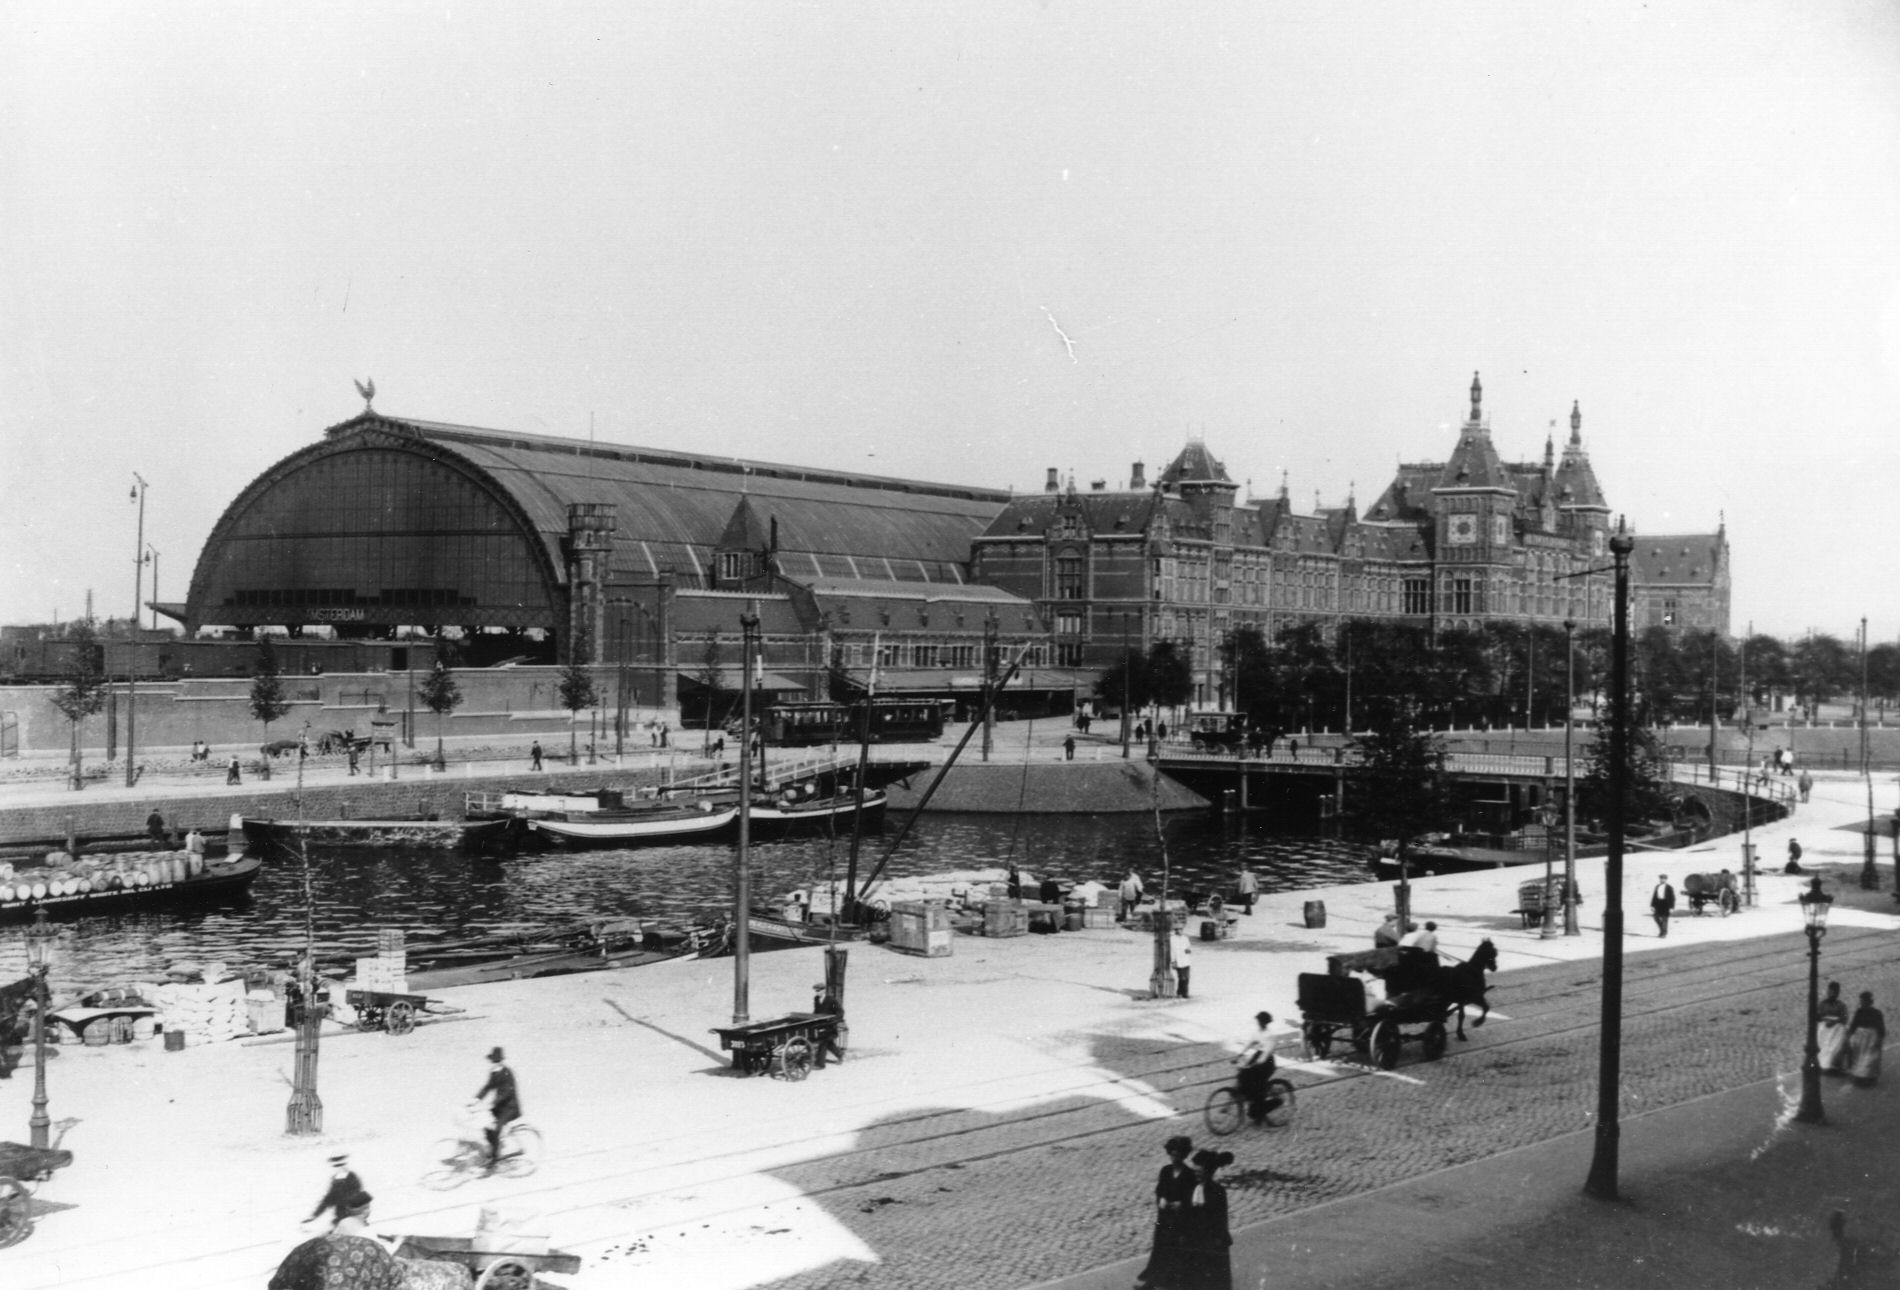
(218, 882)
(774, 820)
(432, 834)
(649, 828)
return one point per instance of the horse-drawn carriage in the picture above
(1422, 994)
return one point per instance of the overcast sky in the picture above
(962, 242)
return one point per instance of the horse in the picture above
(1462, 984)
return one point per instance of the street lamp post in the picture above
(132, 665)
(1128, 718)
(1601, 1182)
(40, 940)
(151, 553)
(1570, 778)
(1814, 906)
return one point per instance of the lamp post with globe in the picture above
(1814, 907)
(41, 938)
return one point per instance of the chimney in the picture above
(1136, 482)
(1054, 484)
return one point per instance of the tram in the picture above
(892, 721)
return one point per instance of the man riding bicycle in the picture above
(505, 1108)
(1256, 1067)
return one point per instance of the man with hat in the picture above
(506, 1107)
(346, 1195)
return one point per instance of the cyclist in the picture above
(505, 1108)
(1256, 1067)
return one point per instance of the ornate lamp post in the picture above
(41, 937)
(1814, 906)
(1570, 778)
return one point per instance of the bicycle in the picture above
(1226, 1108)
(456, 1160)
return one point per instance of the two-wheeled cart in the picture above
(394, 1013)
(511, 1269)
(21, 1170)
(784, 1045)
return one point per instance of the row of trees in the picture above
(1498, 675)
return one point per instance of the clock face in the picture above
(1463, 530)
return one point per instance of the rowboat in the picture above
(655, 826)
(126, 882)
(772, 818)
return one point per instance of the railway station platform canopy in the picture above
(390, 523)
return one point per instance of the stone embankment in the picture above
(1049, 788)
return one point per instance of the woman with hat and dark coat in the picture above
(506, 1107)
(1174, 1190)
(1206, 1262)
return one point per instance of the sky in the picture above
(961, 242)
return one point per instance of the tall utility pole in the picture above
(1869, 876)
(1570, 779)
(1715, 699)
(132, 655)
(1128, 718)
(742, 886)
(1601, 1182)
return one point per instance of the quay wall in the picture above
(1048, 788)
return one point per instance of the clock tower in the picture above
(1474, 503)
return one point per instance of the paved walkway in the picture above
(1000, 1111)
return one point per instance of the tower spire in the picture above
(1576, 425)
(1477, 399)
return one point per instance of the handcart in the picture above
(21, 1169)
(394, 1013)
(784, 1045)
(510, 1269)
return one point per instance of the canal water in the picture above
(436, 895)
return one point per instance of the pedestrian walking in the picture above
(1831, 1030)
(1794, 858)
(1130, 894)
(1180, 953)
(534, 755)
(1866, 1036)
(353, 756)
(1805, 784)
(1068, 748)
(1247, 887)
(1662, 899)
(345, 1192)
(830, 1041)
(1168, 1258)
(231, 775)
(1209, 1264)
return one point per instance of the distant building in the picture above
(1681, 582)
(1473, 539)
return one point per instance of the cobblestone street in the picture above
(1004, 1199)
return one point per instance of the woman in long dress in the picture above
(1866, 1036)
(1832, 1029)
(1209, 1264)
(1174, 1191)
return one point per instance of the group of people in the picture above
(1192, 1241)
(193, 841)
(1851, 1044)
(1246, 891)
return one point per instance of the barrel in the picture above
(98, 1034)
(174, 1041)
(1072, 917)
(1316, 913)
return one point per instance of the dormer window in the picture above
(1069, 525)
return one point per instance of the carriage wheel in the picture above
(1279, 1103)
(368, 1018)
(1386, 1041)
(1318, 1040)
(1224, 1112)
(1729, 902)
(401, 1018)
(1435, 1041)
(506, 1274)
(794, 1058)
(16, 1218)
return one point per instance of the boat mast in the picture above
(742, 888)
(849, 908)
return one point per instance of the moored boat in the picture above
(775, 817)
(126, 881)
(589, 948)
(768, 933)
(654, 826)
(441, 834)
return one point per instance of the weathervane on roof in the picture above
(368, 391)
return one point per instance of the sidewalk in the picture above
(663, 1169)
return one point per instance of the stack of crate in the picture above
(388, 972)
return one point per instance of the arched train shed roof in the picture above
(390, 519)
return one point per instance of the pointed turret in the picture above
(1576, 482)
